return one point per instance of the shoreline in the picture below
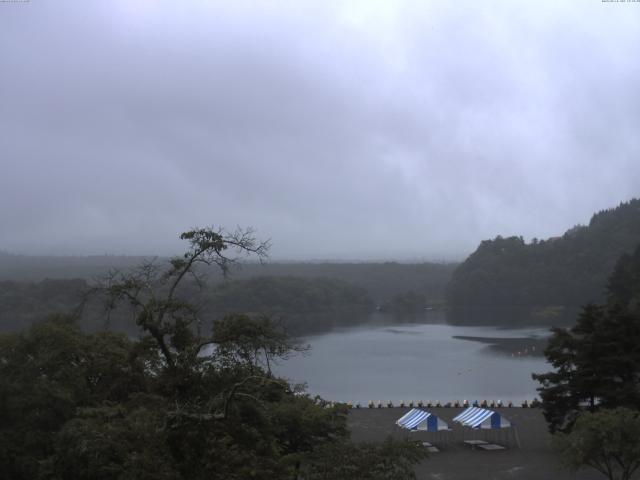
(378, 404)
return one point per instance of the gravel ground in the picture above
(533, 459)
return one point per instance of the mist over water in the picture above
(413, 362)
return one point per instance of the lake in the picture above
(420, 361)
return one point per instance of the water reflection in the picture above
(505, 317)
(432, 361)
(512, 316)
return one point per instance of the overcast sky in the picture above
(340, 130)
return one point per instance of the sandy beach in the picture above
(532, 459)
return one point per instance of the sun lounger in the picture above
(491, 446)
(475, 443)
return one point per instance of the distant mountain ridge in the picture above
(570, 270)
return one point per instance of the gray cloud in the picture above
(358, 129)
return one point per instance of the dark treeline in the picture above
(287, 295)
(569, 271)
(300, 305)
(382, 281)
(304, 298)
(25, 303)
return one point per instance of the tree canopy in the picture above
(178, 402)
(608, 441)
(570, 270)
(597, 361)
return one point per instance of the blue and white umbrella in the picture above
(476, 417)
(416, 419)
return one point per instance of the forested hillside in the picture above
(22, 303)
(300, 304)
(570, 270)
(287, 295)
(381, 280)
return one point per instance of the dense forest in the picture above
(569, 271)
(591, 397)
(303, 297)
(301, 305)
(287, 295)
(382, 281)
(179, 401)
(25, 303)
(597, 361)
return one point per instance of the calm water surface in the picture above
(415, 362)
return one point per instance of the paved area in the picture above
(528, 454)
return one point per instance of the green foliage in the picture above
(311, 297)
(177, 403)
(46, 374)
(241, 339)
(308, 297)
(80, 406)
(289, 295)
(608, 441)
(303, 305)
(570, 270)
(624, 284)
(113, 442)
(597, 361)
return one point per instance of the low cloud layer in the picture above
(340, 130)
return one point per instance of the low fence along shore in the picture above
(535, 403)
